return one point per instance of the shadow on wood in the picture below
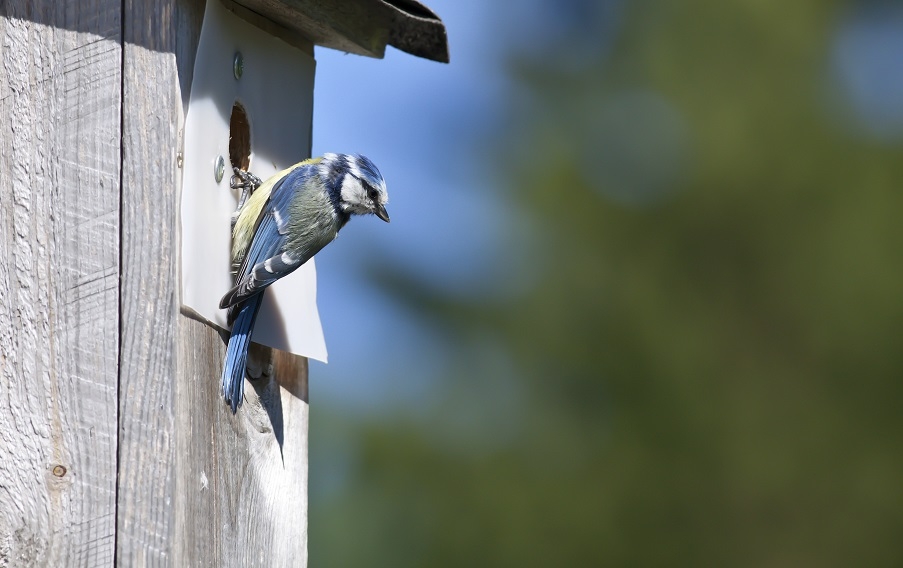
(272, 371)
(240, 478)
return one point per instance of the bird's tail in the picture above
(237, 352)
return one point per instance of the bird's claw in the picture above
(247, 183)
(242, 179)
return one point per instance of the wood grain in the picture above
(242, 484)
(148, 297)
(91, 110)
(59, 264)
(353, 26)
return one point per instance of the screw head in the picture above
(238, 65)
(219, 167)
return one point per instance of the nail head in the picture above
(219, 168)
(238, 65)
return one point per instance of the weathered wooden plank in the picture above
(363, 27)
(59, 262)
(82, 297)
(148, 301)
(241, 481)
(355, 26)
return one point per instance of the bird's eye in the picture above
(372, 193)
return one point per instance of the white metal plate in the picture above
(276, 91)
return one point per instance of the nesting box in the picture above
(115, 445)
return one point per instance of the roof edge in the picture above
(417, 30)
(363, 27)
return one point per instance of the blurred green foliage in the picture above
(710, 376)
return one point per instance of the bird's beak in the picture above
(381, 212)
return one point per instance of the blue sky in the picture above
(422, 123)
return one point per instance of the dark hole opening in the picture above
(239, 138)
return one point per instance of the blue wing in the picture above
(267, 260)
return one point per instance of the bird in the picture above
(286, 220)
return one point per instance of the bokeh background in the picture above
(641, 299)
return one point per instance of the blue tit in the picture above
(282, 225)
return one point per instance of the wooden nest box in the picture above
(115, 444)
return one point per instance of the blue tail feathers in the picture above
(237, 352)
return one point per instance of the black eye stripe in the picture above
(371, 191)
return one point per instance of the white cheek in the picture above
(353, 196)
(350, 189)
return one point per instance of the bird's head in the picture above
(359, 186)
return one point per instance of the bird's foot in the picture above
(247, 183)
(244, 180)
